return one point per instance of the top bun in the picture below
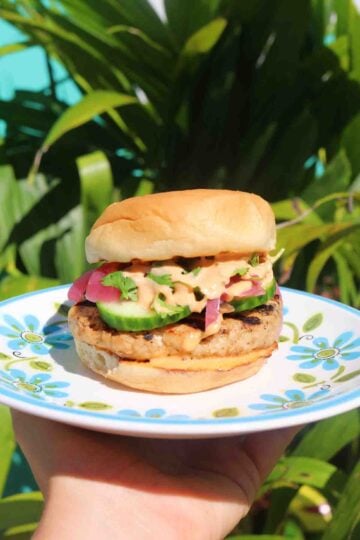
(189, 223)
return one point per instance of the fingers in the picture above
(265, 448)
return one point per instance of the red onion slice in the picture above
(96, 291)
(77, 290)
(212, 311)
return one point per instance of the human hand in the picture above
(105, 486)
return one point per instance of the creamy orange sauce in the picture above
(194, 288)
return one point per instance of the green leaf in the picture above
(346, 515)
(161, 279)
(14, 47)
(196, 271)
(351, 141)
(348, 376)
(318, 262)
(348, 289)
(7, 446)
(227, 412)
(40, 365)
(12, 286)
(96, 182)
(255, 259)
(126, 285)
(336, 178)
(20, 509)
(313, 322)
(170, 309)
(94, 406)
(204, 39)
(304, 378)
(326, 438)
(93, 104)
(292, 471)
(311, 509)
(257, 537)
(21, 532)
(185, 17)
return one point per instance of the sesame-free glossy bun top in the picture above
(189, 223)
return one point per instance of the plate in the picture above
(314, 374)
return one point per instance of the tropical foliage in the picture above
(246, 94)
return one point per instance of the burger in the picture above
(183, 298)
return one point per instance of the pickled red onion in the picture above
(96, 291)
(212, 311)
(77, 290)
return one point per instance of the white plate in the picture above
(314, 374)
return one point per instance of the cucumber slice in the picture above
(131, 317)
(243, 304)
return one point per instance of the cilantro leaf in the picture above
(255, 259)
(161, 279)
(171, 310)
(126, 285)
(196, 271)
(240, 272)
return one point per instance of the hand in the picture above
(100, 486)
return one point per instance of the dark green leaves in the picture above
(7, 445)
(346, 516)
(325, 439)
(126, 285)
(161, 279)
(93, 104)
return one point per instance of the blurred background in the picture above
(104, 100)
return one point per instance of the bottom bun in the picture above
(182, 375)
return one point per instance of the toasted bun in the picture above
(173, 375)
(190, 223)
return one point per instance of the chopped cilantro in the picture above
(195, 271)
(126, 285)
(161, 279)
(240, 272)
(255, 259)
(171, 310)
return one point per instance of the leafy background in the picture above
(260, 95)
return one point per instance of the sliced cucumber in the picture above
(243, 304)
(131, 317)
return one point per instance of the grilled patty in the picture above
(239, 333)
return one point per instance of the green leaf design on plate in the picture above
(348, 376)
(94, 406)
(338, 372)
(40, 365)
(4, 356)
(229, 411)
(283, 338)
(313, 322)
(69, 403)
(304, 378)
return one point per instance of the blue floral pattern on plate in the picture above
(30, 334)
(292, 399)
(152, 413)
(324, 354)
(38, 385)
(318, 335)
